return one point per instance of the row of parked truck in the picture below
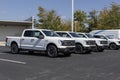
(66, 42)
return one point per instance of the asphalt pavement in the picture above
(37, 66)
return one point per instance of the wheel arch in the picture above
(112, 43)
(79, 44)
(115, 48)
(13, 42)
(51, 44)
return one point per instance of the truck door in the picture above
(38, 41)
(27, 40)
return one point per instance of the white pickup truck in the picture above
(101, 44)
(113, 44)
(41, 40)
(83, 45)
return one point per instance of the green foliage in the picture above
(49, 19)
(93, 19)
(109, 18)
(80, 17)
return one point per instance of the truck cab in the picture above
(83, 45)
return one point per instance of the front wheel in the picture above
(52, 51)
(14, 48)
(78, 49)
(100, 49)
(113, 46)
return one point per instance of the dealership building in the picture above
(13, 28)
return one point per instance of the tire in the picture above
(113, 46)
(14, 48)
(99, 49)
(78, 49)
(52, 51)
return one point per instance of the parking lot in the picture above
(24, 66)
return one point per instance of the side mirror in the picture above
(41, 37)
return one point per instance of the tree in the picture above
(93, 19)
(49, 19)
(80, 17)
(66, 25)
(109, 18)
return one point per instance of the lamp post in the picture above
(72, 15)
(33, 22)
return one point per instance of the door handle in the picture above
(22, 39)
(32, 39)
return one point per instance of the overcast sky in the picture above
(23, 9)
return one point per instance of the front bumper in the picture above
(87, 48)
(67, 50)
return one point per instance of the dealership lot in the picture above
(95, 66)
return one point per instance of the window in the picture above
(101, 37)
(82, 36)
(50, 33)
(37, 34)
(32, 33)
(74, 34)
(63, 34)
(89, 35)
(28, 33)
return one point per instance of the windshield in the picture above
(100, 36)
(50, 33)
(89, 35)
(74, 34)
(110, 36)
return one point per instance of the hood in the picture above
(114, 39)
(60, 38)
(99, 39)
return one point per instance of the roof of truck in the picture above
(39, 29)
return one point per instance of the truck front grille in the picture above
(68, 43)
(103, 42)
(91, 42)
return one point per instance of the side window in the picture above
(65, 35)
(37, 34)
(28, 34)
(97, 36)
(59, 34)
(81, 36)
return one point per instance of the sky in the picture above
(20, 10)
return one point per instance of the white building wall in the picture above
(10, 31)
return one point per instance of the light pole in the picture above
(72, 15)
(33, 22)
